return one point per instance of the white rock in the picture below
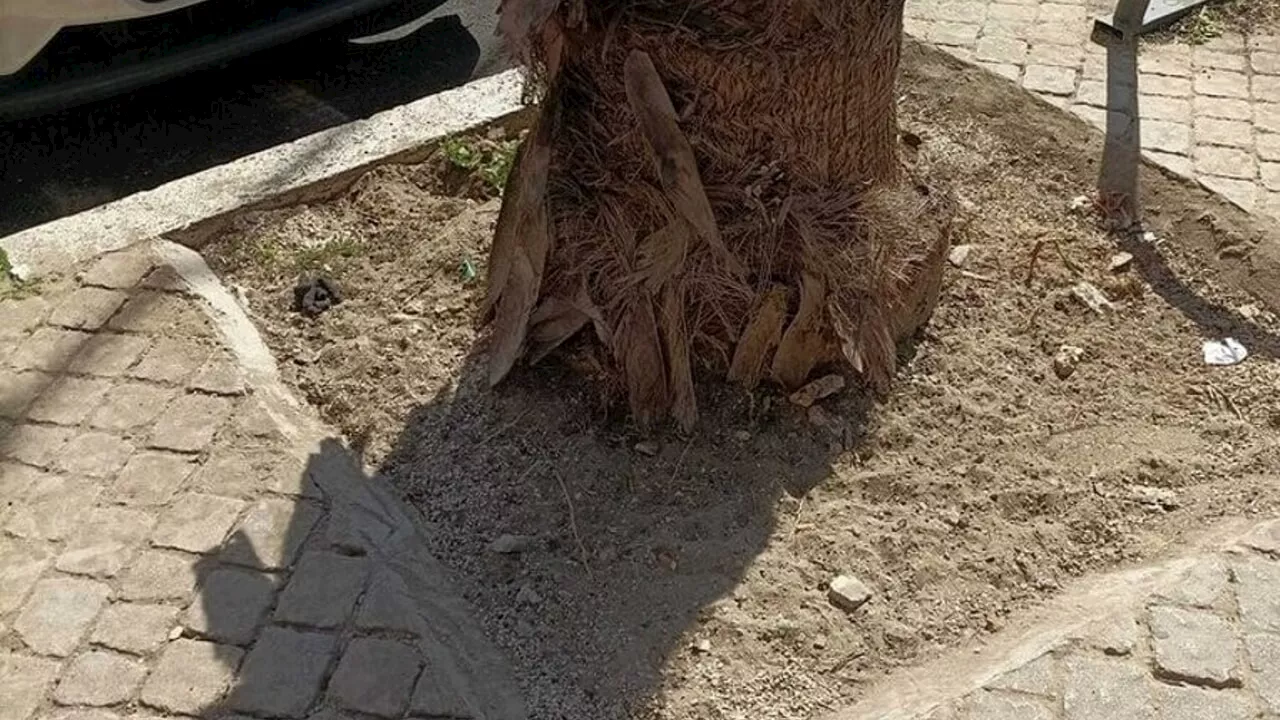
(1121, 261)
(512, 544)
(817, 390)
(1092, 298)
(528, 596)
(848, 593)
(1066, 360)
(959, 254)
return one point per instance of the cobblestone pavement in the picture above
(1210, 112)
(179, 538)
(1200, 642)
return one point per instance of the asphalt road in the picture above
(71, 161)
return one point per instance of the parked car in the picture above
(56, 54)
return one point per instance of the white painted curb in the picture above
(179, 204)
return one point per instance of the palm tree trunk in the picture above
(713, 185)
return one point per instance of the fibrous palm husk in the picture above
(713, 184)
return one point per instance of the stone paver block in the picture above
(38, 445)
(1092, 92)
(1266, 88)
(1256, 583)
(19, 317)
(1241, 192)
(24, 681)
(322, 590)
(1001, 50)
(272, 532)
(1057, 33)
(1037, 677)
(190, 422)
(952, 10)
(119, 270)
(138, 628)
(1203, 585)
(219, 375)
(1159, 107)
(49, 349)
(232, 603)
(1264, 538)
(951, 33)
(1222, 83)
(435, 696)
(1203, 57)
(157, 575)
(1269, 172)
(1194, 645)
(88, 714)
(230, 473)
(1225, 162)
(1268, 146)
(95, 454)
(108, 354)
(1011, 72)
(1265, 63)
(158, 313)
(1050, 79)
(88, 308)
(1193, 703)
(99, 678)
(67, 400)
(1227, 42)
(151, 478)
(1104, 688)
(1115, 635)
(1166, 137)
(19, 389)
(58, 613)
(1009, 20)
(1266, 117)
(989, 705)
(283, 673)
(375, 677)
(191, 676)
(172, 360)
(105, 542)
(1234, 133)
(1226, 108)
(1068, 56)
(167, 278)
(131, 405)
(388, 605)
(1164, 85)
(197, 523)
(52, 507)
(1264, 658)
(1168, 59)
(21, 563)
(1260, 42)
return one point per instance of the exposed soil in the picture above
(1220, 17)
(686, 578)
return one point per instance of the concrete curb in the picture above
(279, 174)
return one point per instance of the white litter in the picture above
(1227, 351)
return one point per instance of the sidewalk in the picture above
(1210, 112)
(1195, 639)
(179, 537)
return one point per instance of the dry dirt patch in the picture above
(686, 578)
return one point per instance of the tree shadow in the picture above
(594, 551)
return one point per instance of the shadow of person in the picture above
(593, 553)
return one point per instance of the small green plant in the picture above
(317, 257)
(10, 286)
(489, 160)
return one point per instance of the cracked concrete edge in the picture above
(915, 692)
(277, 175)
(364, 510)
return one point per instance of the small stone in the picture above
(848, 593)
(823, 387)
(648, 448)
(1250, 311)
(703, 646)
(1092, 298)
(284, 672)
(513, 544)
(1120, 262)
(134, 627)
(528, 596)
(1157, 497)
(99, 678)
(376, 677)
(191, 676)
(1066, 360)
(742, 436)
(959, 255)
(58, 614)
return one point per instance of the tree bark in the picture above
(713, 186)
